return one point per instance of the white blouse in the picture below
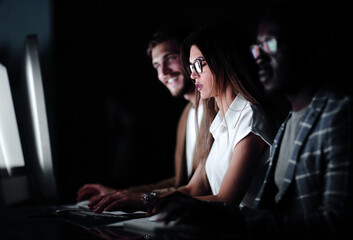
(240, 119)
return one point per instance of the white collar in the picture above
(234, 111)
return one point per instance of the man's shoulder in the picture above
(330, 98)
(184, 115)
(333, 93)
(187, 107)
(332, 108)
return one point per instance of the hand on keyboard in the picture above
(119, 200)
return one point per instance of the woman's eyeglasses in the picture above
(197, 65)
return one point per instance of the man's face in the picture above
(273, 58)
(166, 60)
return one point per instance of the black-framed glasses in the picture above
(269, 46)
(197, 65)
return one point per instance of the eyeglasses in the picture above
(269, 46)
(197, 65)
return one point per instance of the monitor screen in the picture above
(14, 182)
(34, 123)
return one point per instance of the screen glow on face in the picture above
(268, 46)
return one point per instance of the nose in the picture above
(194, 75)
(262, 57)
(259, 61)
(165, 69)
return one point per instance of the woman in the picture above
(235, 108)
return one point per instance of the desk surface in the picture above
(42, 223)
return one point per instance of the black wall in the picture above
(116, 122)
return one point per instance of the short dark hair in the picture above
(304, 31)
(163, 35)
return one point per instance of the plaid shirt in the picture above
(317, 189)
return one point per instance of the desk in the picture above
(116, 233)
(42, 223)
(37, 223)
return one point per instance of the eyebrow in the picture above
(164, 57)
(266, 37)
(201, 58)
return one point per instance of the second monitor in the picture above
(34, 124)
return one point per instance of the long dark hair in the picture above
(226, 49)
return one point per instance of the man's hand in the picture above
(90, 190)
(188, 210)
(118, 200)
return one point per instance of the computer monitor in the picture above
(34, 124)
(14, 181)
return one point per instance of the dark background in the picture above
(115, 118)
(111, 120)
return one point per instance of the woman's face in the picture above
(204, 79)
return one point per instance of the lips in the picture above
(199, 86)
(265, 74)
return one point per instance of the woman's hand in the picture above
(118, 200)
(90, 190)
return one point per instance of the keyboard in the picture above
(83, 205)
(88, 218)
(152, 228)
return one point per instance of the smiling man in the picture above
(166, 61)
(163, 49)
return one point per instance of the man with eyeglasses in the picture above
(163, 49)
(308, 189)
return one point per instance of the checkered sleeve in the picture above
(331, 194)
(338, 151)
